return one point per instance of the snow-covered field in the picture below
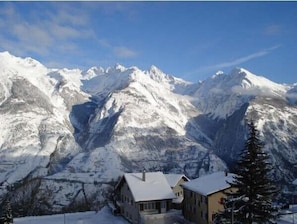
(104, 216)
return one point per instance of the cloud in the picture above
(118, 51)
(67, 14)
(236, 61)
(52, 29)
(45, 30)
(7, 11)
(124, 52)
(30, 33)
(272, 30)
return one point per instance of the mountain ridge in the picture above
(91, 126)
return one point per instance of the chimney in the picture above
(143, 175)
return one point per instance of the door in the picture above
(163, 206)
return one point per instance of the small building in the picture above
(203, 196)
(140, 195)
(175, 181)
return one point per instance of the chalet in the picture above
(175, 181)
(203, 196)
(140, 196)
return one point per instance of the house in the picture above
(140, 196)
(175, 181)
(203, 196)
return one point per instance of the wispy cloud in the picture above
(118, 51)
(272, 30)
(60, 29)
(40, 33)
(236, 61)
(124, 52)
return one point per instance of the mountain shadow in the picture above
(225, 137)
(82, 115)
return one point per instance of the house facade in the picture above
(203, 197)
(139, 196)
(175, 181)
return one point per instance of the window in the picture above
(153, 205)
(147, 206)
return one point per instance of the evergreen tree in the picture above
(253, 184)
(7, 217)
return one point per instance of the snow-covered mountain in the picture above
(78, 130)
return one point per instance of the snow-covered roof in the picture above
(294, 182)
(210, 184)
(174, 178)
(155, 186)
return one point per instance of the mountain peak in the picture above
(5, 54)
(156, 74)
(218, 74)
(248, 80)
(92, 72)
(116, 68)
(154, 69)
(19, 63)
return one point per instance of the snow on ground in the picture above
(286, 219)
(104, 216)
(290, 215)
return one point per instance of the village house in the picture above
(203, 196)
(144, 196)
(175, 181)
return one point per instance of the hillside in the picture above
(70, 132)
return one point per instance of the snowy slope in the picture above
(142, 123)
(223, 94)
(37, 135)
(27, 107)
(80, 130)
(230, 99)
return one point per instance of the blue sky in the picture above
(190, 40)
